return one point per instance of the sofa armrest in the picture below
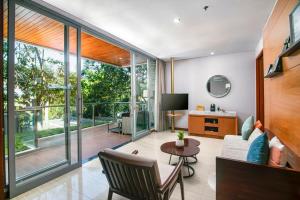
(242, 180)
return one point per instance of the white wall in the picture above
(259, 47)
(191, 76)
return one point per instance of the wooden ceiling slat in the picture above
(57, 30)
(28, 25)
(39, 30)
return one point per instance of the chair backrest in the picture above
(130, 175)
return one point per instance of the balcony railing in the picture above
(34, 123)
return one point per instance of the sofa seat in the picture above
(235, 142)
(235, 147)
(236, 154)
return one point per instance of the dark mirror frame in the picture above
(221, 95)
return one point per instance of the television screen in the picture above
(175, 102)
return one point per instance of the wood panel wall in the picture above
(282, 93)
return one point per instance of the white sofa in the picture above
(235, 147)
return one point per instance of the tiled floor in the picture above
(89, 183)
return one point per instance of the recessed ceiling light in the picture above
(212, 53)
(176, 20)
(120, 58)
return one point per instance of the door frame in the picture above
(58, 169)
(135, 134)
(260, 88)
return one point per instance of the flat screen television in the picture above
(175, 102)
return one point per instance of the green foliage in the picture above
(104, 84)
(180, 135)
(40, 83)
(19, 145)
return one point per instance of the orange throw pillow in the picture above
(258, 125)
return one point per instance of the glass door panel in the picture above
(40, 93)
(140, 95)
(151, 91)
(43, 98)
(74, 96)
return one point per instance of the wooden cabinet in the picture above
(216, 126)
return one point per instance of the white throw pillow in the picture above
(255, 133)
(275, 142)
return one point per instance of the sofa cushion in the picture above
(255, 133)
(258, 124)
(278, 154)
(247, 127)
(235, 142)
(237, 154)
(259, 150)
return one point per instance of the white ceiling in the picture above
(228, 26)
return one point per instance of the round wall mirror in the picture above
(218, 86)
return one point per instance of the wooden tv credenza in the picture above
(212, 124)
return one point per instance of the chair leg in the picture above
(110, 194)
(181, 186)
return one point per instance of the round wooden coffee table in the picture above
(189, 150)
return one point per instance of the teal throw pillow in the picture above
(247, 127)
(258, 152)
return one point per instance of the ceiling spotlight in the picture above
(212, 53)
(176, 20)
(120, 58)
(205, 8)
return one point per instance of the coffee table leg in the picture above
(170, 159)
(186, 164)
(190, 169)
(195, 160)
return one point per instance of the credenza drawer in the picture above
(213, 126)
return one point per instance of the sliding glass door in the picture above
(42, 93)
(143, 93)
(43, 97)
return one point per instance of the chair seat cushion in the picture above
(165, 171)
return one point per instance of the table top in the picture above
(216, 113)
(190, 148)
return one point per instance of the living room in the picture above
(202, 99)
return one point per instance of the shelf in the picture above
(273, 74)
(211, 124)
(295, 47)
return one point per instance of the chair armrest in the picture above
(173, 177)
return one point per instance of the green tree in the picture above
(104, 83)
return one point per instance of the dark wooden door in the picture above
(260, 88)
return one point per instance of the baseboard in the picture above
(206, 135)
(180, 129)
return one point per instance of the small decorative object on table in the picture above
(212, 107)
(180, 140)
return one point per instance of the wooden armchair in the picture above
(139, 178)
